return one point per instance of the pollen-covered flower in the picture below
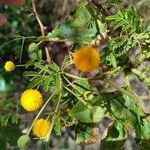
(31, 100)
(86, 59)
(41, 128)
(9, 66)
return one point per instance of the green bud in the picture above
(23, 141)
(33, 47)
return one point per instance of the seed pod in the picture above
(33, 47)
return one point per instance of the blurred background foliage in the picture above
(21, 24)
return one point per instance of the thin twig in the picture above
(42, 28)
(39, 113)
(22, 46)
(4, 111)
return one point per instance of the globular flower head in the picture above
(41, 128)
(86, 59)
(31, 100)
(9, 66)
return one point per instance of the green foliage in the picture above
(82, 27)
(46, 75)
(57, 127)
(84, 88)
(83, 132)
(127, 19)
(4, 86)
(82, 100)
(86, 115)
(9, 135)
(142, 75)
(116, 132)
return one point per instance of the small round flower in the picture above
(41, 128)
(31, 100)
(86, 59)
(9, 66)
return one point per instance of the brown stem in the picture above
(42, 28)
(47, 55)
(4, 111)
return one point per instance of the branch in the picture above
(4, 111)
(42, 28)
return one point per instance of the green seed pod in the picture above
(33, 47)
(23, 141)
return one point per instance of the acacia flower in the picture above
(9, 66)
(31, 99)
(86, 59)
(41, 128)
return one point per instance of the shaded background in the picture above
(21, 21)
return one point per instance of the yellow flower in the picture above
(86, 59)
(31, 100)
(9, 66)
(41, 128)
